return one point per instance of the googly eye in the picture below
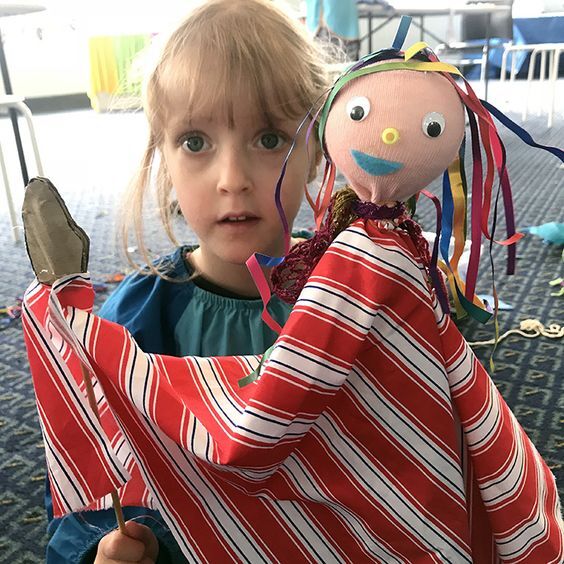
(433, 124)
(358, 108)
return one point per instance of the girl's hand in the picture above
(140, 545)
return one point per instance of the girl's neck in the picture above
(236, 278)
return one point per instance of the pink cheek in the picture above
(364, 136)
(340, 146)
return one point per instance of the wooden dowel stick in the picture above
(92, 401)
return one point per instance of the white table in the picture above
(374, 11)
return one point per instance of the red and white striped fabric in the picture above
(373, 433)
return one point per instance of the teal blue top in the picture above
(225, 326)
(339, 16)
(193, 317)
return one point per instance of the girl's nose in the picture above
(234, 173)
(390, 135)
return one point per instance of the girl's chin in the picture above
(235, 250)
(238, 253)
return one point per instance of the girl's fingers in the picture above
(146, 536)
(116, 546)
(139, 545)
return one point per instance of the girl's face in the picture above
(224, 172)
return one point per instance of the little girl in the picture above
(223, 104)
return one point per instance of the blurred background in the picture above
(73, 70)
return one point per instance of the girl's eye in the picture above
(194, 143)
(271, 141)
(433, 124)
(358, 108)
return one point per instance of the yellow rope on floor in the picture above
(530, 328)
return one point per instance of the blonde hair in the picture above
(223, 45)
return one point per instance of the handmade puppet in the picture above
(369, 432)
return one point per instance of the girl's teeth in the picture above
(240, 218)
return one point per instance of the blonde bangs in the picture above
(258, 55)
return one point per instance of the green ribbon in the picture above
(255, 374)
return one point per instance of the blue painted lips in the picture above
(373, 165)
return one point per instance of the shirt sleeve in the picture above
(74, 538)
(149, 307)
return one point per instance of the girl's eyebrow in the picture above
(201, 120)
(189, 122)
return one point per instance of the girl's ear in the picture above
(314, 163)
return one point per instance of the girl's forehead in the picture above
(238, 109)
(238, 104)
(215, 88)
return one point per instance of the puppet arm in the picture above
(259, 425)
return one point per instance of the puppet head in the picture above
(391, 133)
(392, 123)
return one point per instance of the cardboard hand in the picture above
(56, 245)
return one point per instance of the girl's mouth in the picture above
(239, 220)
(235, 219)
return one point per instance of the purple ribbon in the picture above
(368, 210)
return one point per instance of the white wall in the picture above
(47, 52)
(45, 55)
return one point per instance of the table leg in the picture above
(530, 75)
(487, 56)
(369, 33)
(13, 114)
(553, 81)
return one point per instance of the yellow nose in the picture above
(390, 135)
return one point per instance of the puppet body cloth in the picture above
(372, 434)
